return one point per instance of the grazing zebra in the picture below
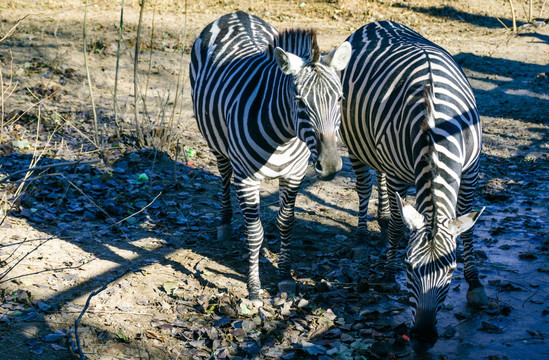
(410, 114)
(265, 102)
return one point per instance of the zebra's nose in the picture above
(423, 338)
(327, 170)
(329, 161)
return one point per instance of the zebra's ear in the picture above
(410, 216)
(464, 222)
(288, 62)
(339, 58)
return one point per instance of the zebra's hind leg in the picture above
(476, 294)
(224, 230)
(288, 189)
(247, 192)
(383, 206)
(364, 181)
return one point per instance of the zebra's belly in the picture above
(383, 156)
(288, 160)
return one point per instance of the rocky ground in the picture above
(124, 239)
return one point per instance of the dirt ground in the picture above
(127, 240)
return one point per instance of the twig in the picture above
(77, 347)
(67, 122)
(115, 104)
(14, 120)
(541, 10)
(42, 167)
(180, 75)
(46, 270)
(93, 203)
(22, 242)
(96, 130)
(513, 16)
(12, 30)
(151, 45)
(529, 297)
(139, 130)
(140, 210)
(24, 256)
(469, 318)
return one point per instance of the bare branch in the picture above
(42, 167)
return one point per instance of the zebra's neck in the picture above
(300, 42)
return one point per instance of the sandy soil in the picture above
(165, 288)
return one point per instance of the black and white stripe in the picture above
(409, 113)
(265, 102)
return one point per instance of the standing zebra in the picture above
(410, 114)
(265, 102)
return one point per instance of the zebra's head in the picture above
(430, 263)
(317, 95)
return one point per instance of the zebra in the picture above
(409, 114)
(265, 102)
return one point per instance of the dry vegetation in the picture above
(121, 198)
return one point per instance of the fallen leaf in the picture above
(490, 328)
(312, 349)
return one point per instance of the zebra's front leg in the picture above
(247, 192)
(364, 181)
(288, 189)
(224, 230)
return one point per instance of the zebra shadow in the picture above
(90, 207)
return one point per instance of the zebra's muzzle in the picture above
(424, 334)
(328, 162)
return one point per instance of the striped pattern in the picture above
(265, 102)
(409, 113)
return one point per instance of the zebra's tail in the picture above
(428, 127)
(429, 96)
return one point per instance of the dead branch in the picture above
(85, 45)
(137, 212)
(76, 347)
(513, 16)
(42, 167)
(12, 30)
(23, 257)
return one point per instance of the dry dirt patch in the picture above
(172, 291)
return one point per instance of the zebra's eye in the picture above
(341, 98)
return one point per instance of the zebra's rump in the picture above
(384, 107)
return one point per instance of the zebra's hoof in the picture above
(224, 232)
(257, 303)
(362, 237)
(477, 297)
(288, 287)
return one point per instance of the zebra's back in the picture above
(383, 105)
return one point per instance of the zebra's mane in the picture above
(300, 42)
(427, 127)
